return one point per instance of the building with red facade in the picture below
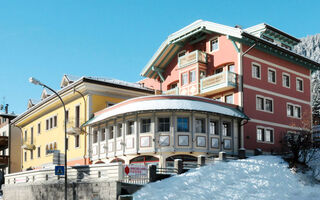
(254, 68)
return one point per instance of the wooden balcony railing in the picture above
(193, 57)
(218, 82)
(174, 91)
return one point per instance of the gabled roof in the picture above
(174, 42)
(32, 102)
(45, 93)
(167, 102)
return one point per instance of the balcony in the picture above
(28, 146)
(4, 160)
(3, 142)
(218, 83)
(174, 91)
(193, 57)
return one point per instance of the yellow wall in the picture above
(57, 134)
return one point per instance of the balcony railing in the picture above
(218, 83)
(174, 91)
(193, 57)
(3, 142)
(4, 160)
(27, 145)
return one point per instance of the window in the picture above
(229, 98)
(31, 135)
(226, 129)
(227, 144)
(265, 134)
(214, 44)
(130, 128)
(77, 141)
(119, 131)
(47, 149)
(25, 156)
(145, 141)
(110, 132)
(192, 76)
(201, 141)
(67, 116)
(264, 104)
(218, 71)
(299, 84)
(47, 124)
(184, 78)
(55, 121)
(31, 154)
(286, 80)
(39, 152)
(145, 125)
(214, 143)
(213, 127)
(164, 140)
(51, 122)
(200, 126)
(77, 121)
(183, 140)
(202, 74)
(231, 68)
(256, 73)
(103, 134)
(183, 124)
(164, 124)
(293, 110)
(95, 137)
(67, 143)
(271, 76)
(39, 128)
(25, 136)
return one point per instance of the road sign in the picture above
(58, 158)
(59, 170)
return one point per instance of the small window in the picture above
(184, 78)
(55, 121)
(264, 104)
(200, 126)
(119, 131)
(31, 154)
(299, 84)
(39, 152)
(39, 128)
(269, 105)
(183, 124)
(25, 136)
(47, 149)
(67, 116)
(164, 124)
(256, 71)
(51, 122)
(110, 132)
(269, 135)
(214, 44)
(286, 80)
(77, 141)
(183, 140)
(293, 110)
(229, 99)
(192, 76)
(103, 134)
(67, 143)
(226, 129)
(31, 135)
(271, 76)
(77, 113)
(215, 143)
(218, 71)
(231, 68)
(265, 135)
(260, 103)
(95, 137)
(145, 125)
(213, 126)
(130, 128)
(25, 156)
(47, 124)
(260, 134)
(201, 141)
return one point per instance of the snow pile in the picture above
(261, 177)
(314, 163)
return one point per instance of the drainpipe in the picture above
(85, 119)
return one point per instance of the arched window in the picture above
(187, 159)
(117, 160)
(144, 160)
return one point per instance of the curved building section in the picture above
(158, 129)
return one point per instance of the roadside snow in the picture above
(314, 163)
(261, 177)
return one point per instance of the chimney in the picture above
(6, 108)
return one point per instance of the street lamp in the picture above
(37, 82)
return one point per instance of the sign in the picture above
(58, 158)
(59, 170)
(136, 170)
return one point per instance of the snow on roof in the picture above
(117, 82)
(163, 102)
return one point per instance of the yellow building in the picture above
(42, 125)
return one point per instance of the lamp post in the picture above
(37, 82)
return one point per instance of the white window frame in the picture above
(225, 98)
(275, 75)
(294, 106)
(186, 78)
(190, 75)
(75, 141)
(286, 74)
(263, 139)
(264, 103)
(210, 45)
(252, 71)
(297, 80)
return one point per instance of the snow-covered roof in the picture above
(170, 102)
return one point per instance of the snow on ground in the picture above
(260, 177)
(314, 164)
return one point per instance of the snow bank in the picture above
(314, 163)
(261, 177)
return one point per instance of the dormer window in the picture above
(214, 45)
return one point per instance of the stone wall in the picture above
(55, 191)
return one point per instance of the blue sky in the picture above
(47, 39)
